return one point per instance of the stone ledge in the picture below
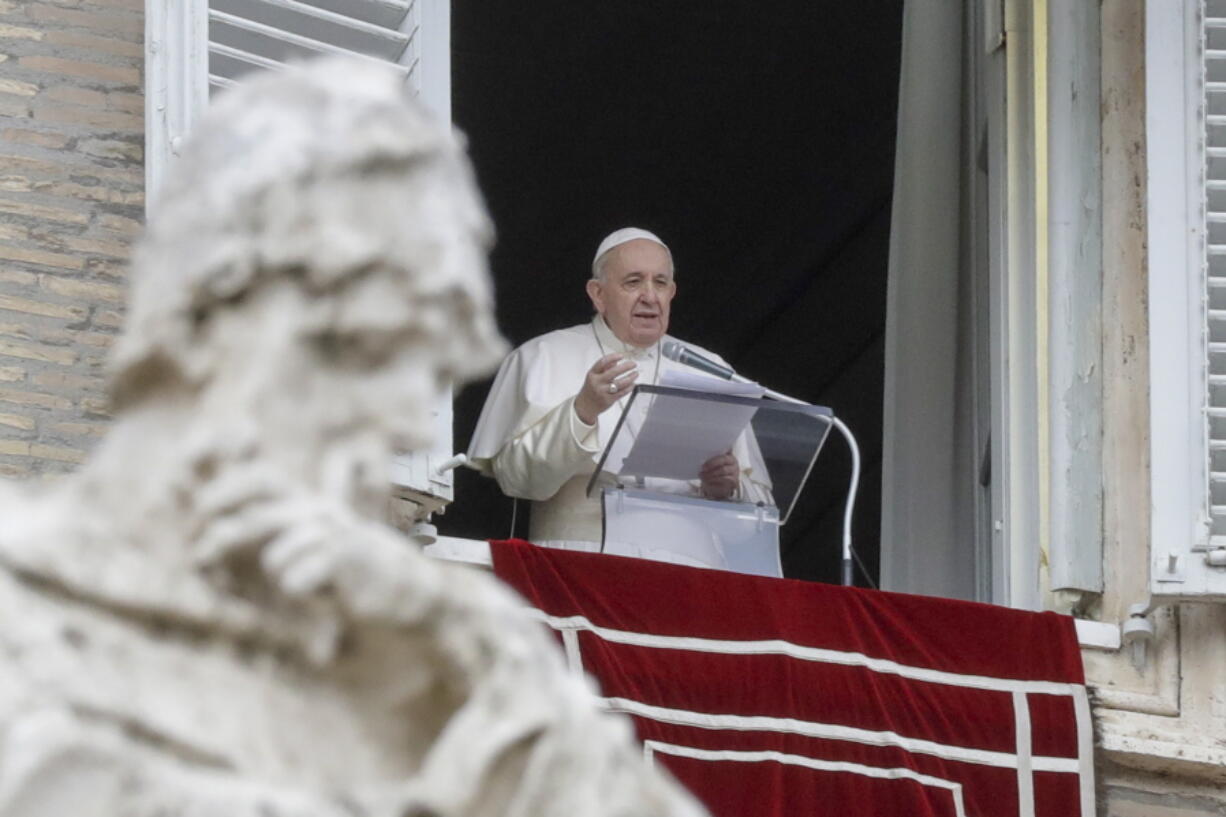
(1163, 745)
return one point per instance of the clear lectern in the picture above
(647, 477)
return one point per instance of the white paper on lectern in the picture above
(683, 379)
(677, 436)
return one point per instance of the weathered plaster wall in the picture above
(1161, 726)
(1133, 795)
(71, 200)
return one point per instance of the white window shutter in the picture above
(1074, 230)
(176, 88)
(1186, 156)
(253, 35)
(193, 47)
(198, 47)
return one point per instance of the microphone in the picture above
(674, 350)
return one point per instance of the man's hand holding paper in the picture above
(720, 476)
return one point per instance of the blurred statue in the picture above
(211, 617)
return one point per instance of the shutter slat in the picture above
(254, 60)
(255, 35)
(348, 13)
(386, 13)
(296, 17)
(297, 40)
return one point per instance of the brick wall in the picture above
(71, 201)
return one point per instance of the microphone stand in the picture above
(848, 577)
(674, 350)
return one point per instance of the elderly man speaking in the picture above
(548, 414)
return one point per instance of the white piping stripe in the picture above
(1082, 765)
(829, 731)
(574, 659)
(954, 789)
(1025, 775)
(779, 647)
(1085, 751)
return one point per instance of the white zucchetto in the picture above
(619, 237)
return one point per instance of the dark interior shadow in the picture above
(759, 145)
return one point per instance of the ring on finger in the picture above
(613, 388)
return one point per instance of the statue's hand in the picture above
(237, 513)
(303, 546)
(368, 569)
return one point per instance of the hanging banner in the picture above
(774, 697)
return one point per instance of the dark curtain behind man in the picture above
(759, 145)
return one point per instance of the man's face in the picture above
(635, 292)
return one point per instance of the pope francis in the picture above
(548, 413)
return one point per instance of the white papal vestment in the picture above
(530, 439)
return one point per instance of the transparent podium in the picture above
(652, 500)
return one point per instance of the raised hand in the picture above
(603, 385)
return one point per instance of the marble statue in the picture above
(211, 618)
